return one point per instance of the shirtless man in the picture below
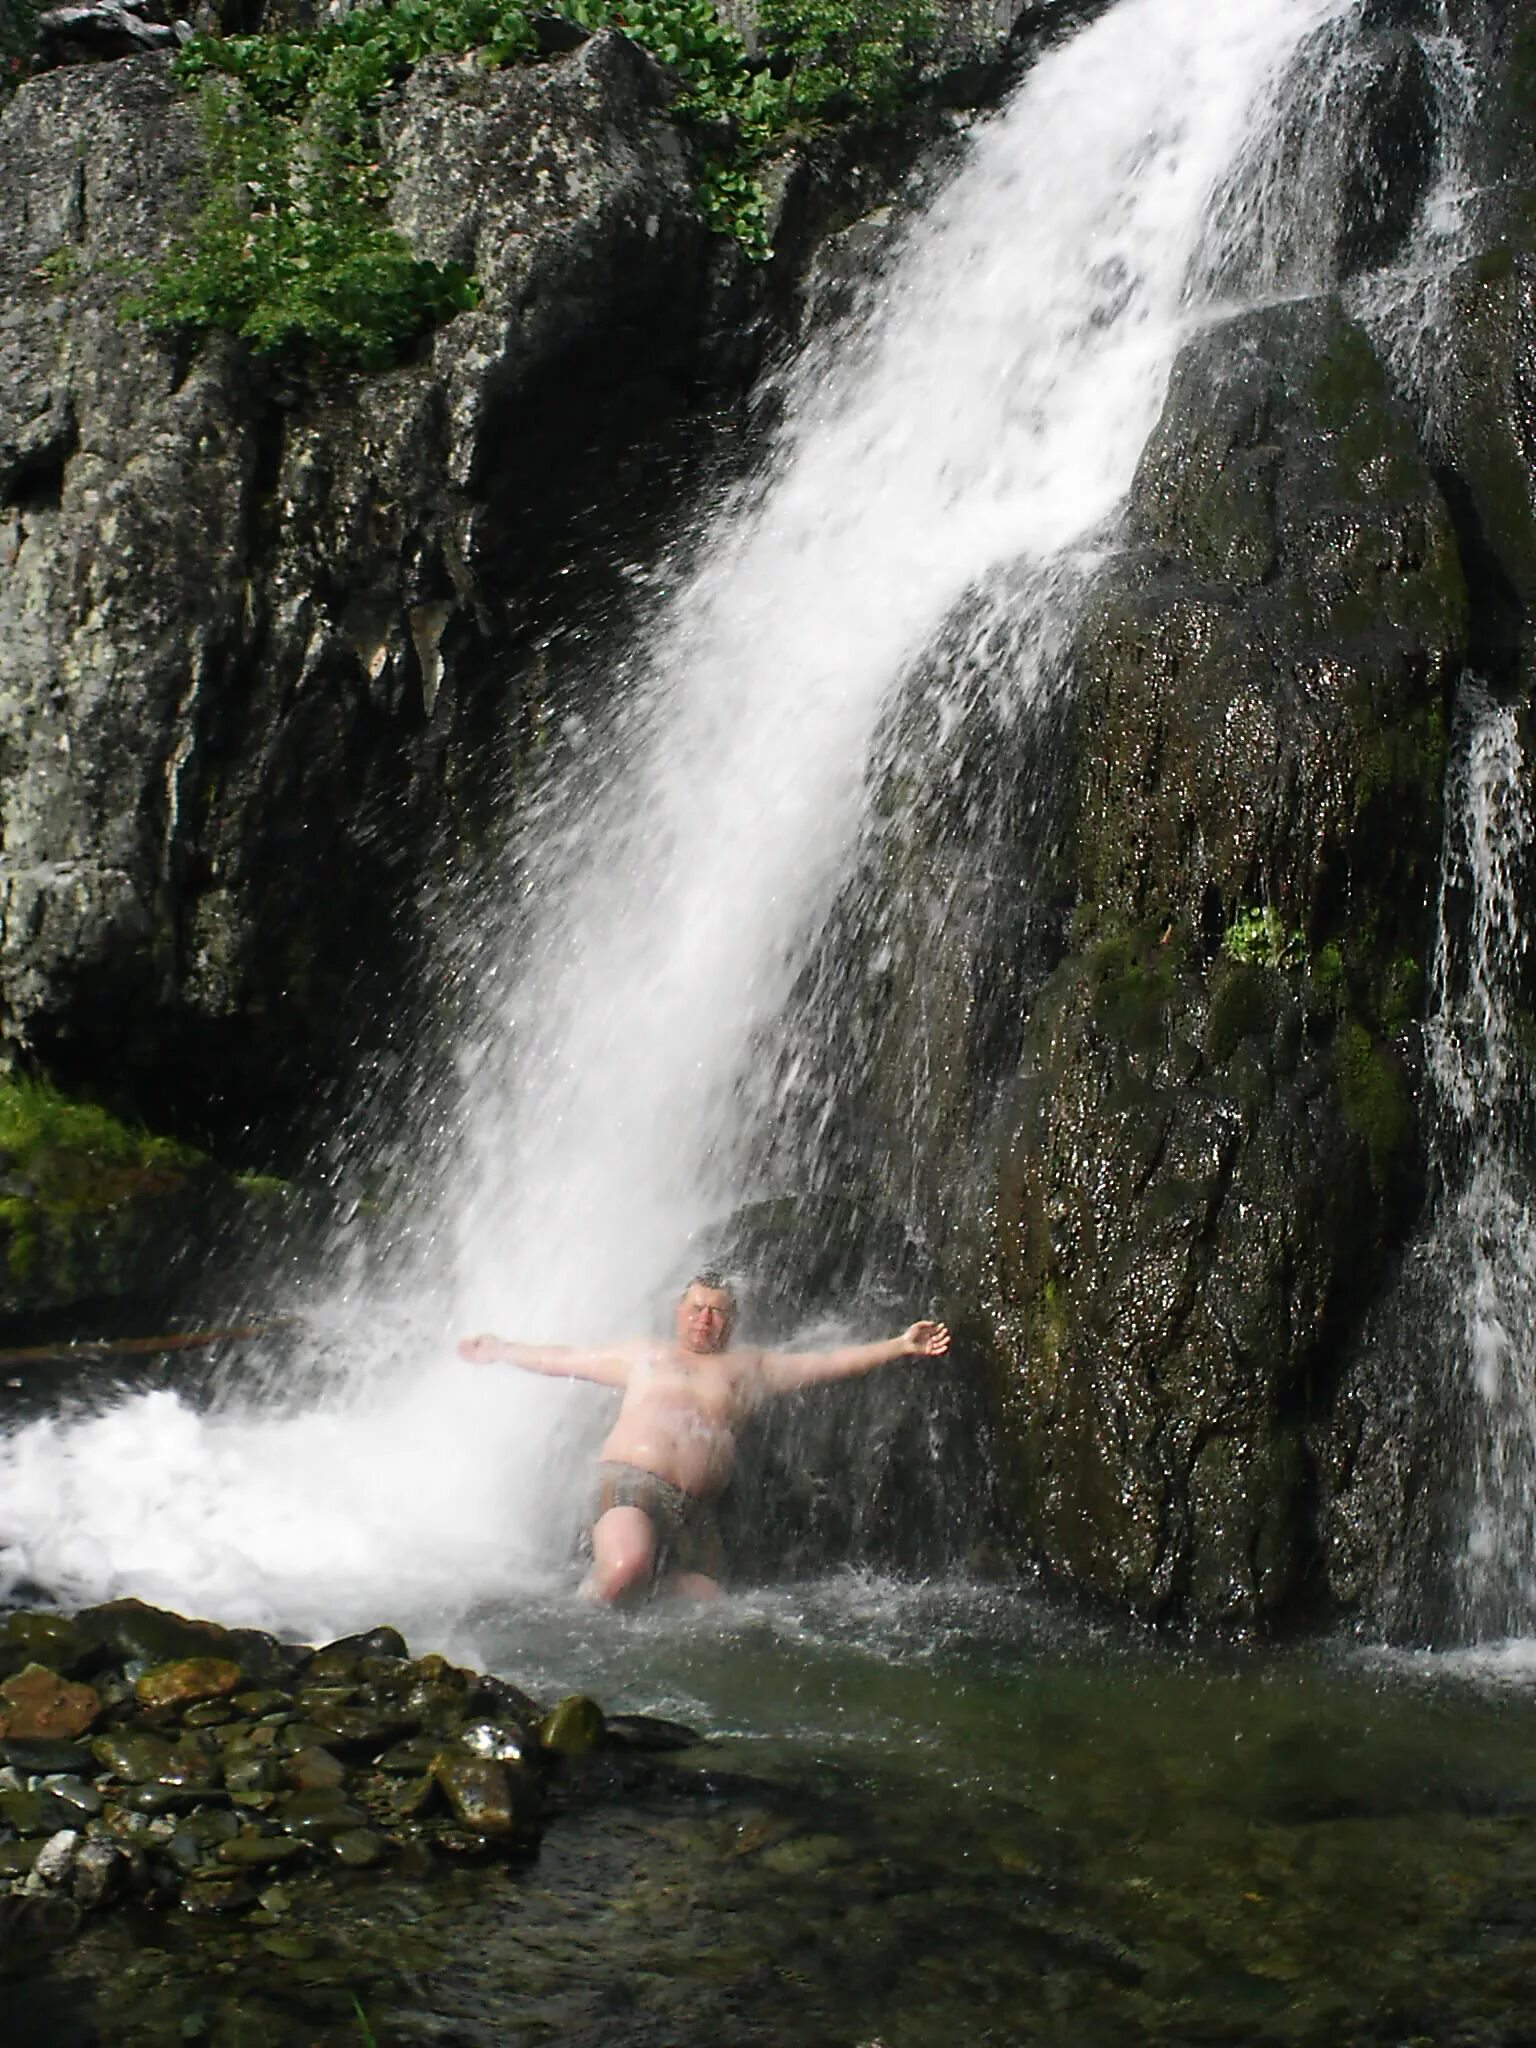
(669, 1453)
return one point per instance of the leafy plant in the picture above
(1259, 939)
(292, 248)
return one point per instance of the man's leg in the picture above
(623, 1555)
(691, 1586)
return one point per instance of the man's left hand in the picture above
(927, 1340)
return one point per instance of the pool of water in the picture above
(923, 1815)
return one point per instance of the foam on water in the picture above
(984, 410)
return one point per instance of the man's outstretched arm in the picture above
(558, 1361)
(781, 1372)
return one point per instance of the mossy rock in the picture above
(94, 1209)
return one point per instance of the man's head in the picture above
(706, 1314)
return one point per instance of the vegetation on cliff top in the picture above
(292, 246)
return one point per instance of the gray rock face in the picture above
(243, 618)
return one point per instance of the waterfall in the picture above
(1481, 1253)
(975, 427)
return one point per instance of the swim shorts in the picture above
(687, 1535)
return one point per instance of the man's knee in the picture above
(623, 1555)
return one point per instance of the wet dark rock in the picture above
(648, 1732)
(573, 1728)
(504, 1741)
(487, 1797)
(41, 1758)
(358, 1848)
(130, 1632)
(1208, 1156)
(38, 1706)
(371, 1643)
(50, 1639)
(187, 1682)
(218, 1895)
(315, 1770)
(317, 1814)
(253, 1850)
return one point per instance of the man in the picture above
(669, 1453)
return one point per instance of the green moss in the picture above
(1401, 998)
(1261, 938)
(1496, 265)
(1325, 973)
(1373, 1096)
(1348, 385)
(77, 1153)
(1132, 982)
(1245, 1000)
(1403, 759)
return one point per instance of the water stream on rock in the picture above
(1482, 1248)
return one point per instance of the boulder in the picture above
(1210, 1149)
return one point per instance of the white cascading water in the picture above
(1482, 1250)
(986, 411)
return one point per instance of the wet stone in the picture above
(362, 1731)
(389, 1674)
(17, 1858)
(39, 1706)
(131, 1632)
(315, 1770)
(39, 1759)
(255, 1704)
(311, 1700)
(291, 1948)
(408, 1759)
(503, 1741)
(374, 1642)
(253, 1772)
(485, 1796)
(358, 1848)
(207, 1714)
(334, 1666)
(314, 1815)
(170, 1799)
(56, 1857)
(573, 1728)
(296, 1735)
(49, 1639)
(136, 1757)
(188, 1680)
(648, 1732)
(100, 1871)
(29, 1813)
(259, 1852)
(218, 1895)
(74, 1793)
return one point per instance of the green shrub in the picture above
(292, 248)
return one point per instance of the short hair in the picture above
(712, 1278)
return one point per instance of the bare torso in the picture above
(681, 1413)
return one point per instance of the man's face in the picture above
(704, 1319)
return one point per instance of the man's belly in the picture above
(698, 1458)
